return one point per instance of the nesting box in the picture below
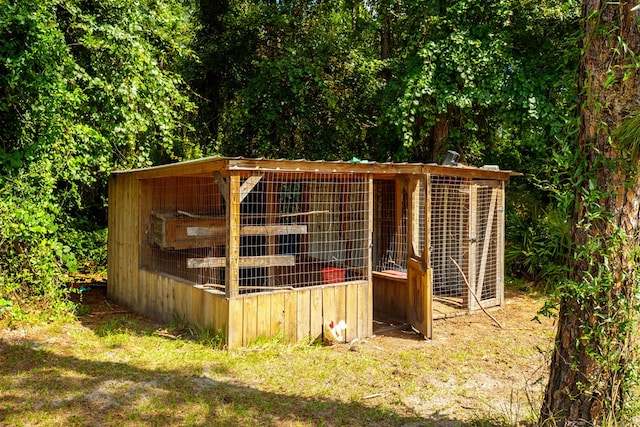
(181, 230)
(262, 248)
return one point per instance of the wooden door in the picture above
(418, 274)
(419, 288)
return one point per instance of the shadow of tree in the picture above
(38, 384)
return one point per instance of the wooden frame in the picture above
(480, 230)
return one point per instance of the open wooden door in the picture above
(419, 288)
(419, 313)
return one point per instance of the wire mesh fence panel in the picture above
(449, 234)
(464, 229)
(293, 229)
(489, 202)
(390, 228)
(174, 213)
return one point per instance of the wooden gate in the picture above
(419, 313)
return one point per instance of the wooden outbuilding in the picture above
(262, 248)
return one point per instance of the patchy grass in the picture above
(111, 367)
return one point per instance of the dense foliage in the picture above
(289, 79)
(462, 78)
(402, 80)
(86, 87)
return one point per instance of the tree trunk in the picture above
(439, 137)
(589, 365)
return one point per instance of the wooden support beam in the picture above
(365, 312)
(222, 185)
(250, 230)
(244, 262)
(232, 269)
(272, 209)
(248, 185)
(427, 222)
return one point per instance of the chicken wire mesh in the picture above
(295, 230)
(449, 234)
(487, 257)
(390, 224)
(390, 228)
(464, 230)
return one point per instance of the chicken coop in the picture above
(262, 248)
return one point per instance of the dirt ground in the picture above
(496, 369)
(475, 372)
(500, 366)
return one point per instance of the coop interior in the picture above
(296, 229)
(464, 244)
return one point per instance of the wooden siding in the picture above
(390, 296)
(122, 248)
(293, 315)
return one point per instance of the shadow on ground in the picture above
(38, 384)
(81, 392)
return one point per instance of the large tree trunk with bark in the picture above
(587, 382)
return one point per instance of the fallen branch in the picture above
(371, 396)
(466, 282)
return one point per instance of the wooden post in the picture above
(233, 236)
(473, 244)
(427, 223)
(426, 255)
(367, 328)
(500, 247)
(271, 212)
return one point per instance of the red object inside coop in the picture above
(332, 275)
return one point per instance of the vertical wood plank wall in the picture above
(122, 247)
(293, 315)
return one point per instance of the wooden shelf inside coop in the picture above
(169, 230)
(254, 261)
